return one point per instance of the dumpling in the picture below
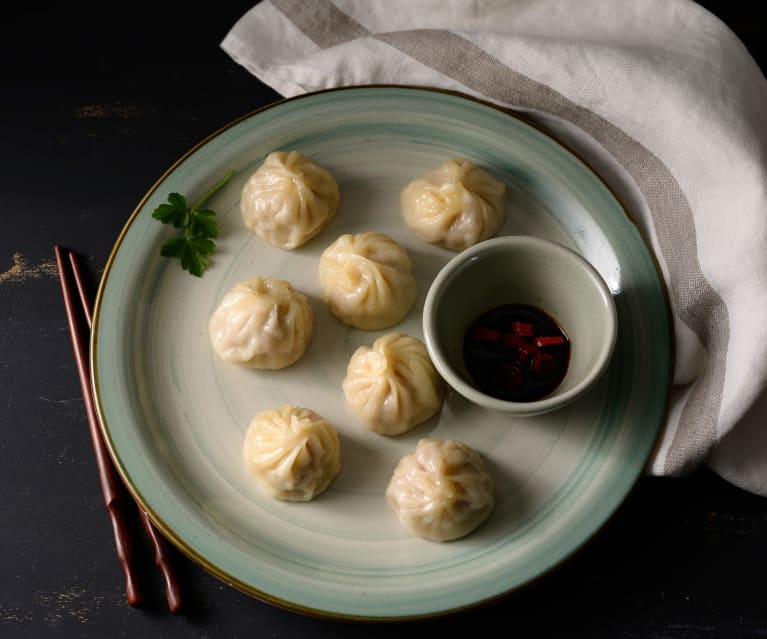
(393, 386)
(455, 205)
(367, 280)
(289, 199)
(293, 453)
(262, 322)
(442, 491)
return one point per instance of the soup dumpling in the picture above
(293, 453)
(442, 491)
(454, 205)
(289, 199)
(262, 322)
(393, 386)
(367, 280)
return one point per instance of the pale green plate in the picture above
(174, 415)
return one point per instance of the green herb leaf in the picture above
(199, 229)
(174, 247)
(202, 245)
(194, 262)
(174, 212)
(203, 223)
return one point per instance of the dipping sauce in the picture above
(516, 353)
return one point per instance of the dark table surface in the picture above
(97, 102)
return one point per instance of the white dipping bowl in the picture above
(521, 270)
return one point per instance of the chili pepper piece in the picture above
(544, 341)
(525, 329)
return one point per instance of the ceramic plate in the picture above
(174, 415)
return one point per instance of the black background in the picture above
(97, 101)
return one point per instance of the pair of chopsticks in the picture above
(116, 497)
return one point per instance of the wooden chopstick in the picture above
(159, 543)
(116, 497)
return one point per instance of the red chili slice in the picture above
(540, 342)
(524, 350)
(526, 329)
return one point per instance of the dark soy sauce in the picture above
(516, 353)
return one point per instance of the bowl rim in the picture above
(549, 402)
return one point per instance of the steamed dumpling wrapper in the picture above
(455, 205)
(289, 199)
(293, 453)
(262, 322)
(367, 280)
(442, 491)
(393, 386)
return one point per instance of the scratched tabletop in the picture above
(96, 102)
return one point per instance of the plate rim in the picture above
(247, 588)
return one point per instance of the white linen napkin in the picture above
(658, 95)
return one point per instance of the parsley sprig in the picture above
(199, 229)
